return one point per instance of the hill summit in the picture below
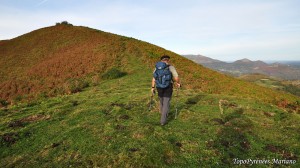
(245, 60)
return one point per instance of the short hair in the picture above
(164, 57)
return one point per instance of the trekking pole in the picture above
(151, 100)
(176, 105)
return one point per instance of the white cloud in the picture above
(42, 2)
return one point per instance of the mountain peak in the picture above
(245, 60)
(201, 59)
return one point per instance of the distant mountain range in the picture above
(285, 70)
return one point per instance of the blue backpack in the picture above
(162, 75)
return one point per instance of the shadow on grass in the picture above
(233, 137)
(236, 138)
(179, 105)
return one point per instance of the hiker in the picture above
(163, 77)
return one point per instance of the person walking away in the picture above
(164, 76)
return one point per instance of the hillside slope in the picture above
(292, 87)
(109, 124)
(64, 59)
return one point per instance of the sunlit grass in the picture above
(110, 125)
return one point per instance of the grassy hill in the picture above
(292, 87)
(63, 59)
(90, 94)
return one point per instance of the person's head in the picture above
(165, 58)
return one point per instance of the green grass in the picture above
(270, 83)
(109, 125)
(273, 83)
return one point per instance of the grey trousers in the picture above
(164, 109)
(164, 98)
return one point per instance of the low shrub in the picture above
(64, 23)
(113, 73)
(75, 85)
(3, 103)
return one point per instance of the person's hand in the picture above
(153, 91)
(178, 85)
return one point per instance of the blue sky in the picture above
(221, 29)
